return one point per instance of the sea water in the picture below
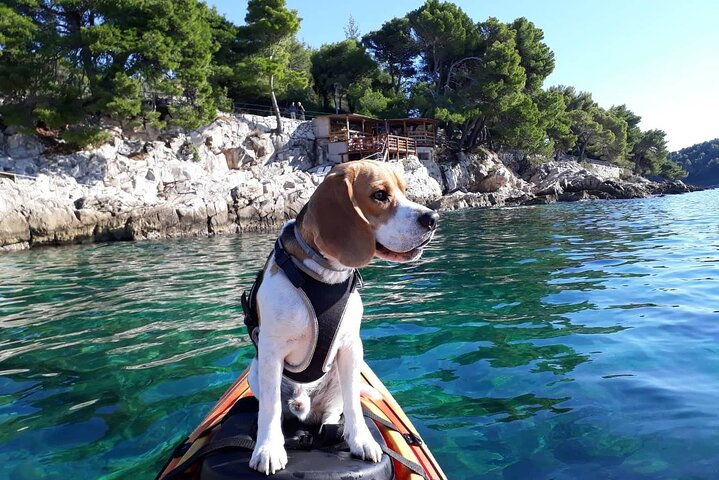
(566, 341)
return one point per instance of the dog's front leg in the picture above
(269, 455)
(358, 436)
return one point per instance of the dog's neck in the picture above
(309, 258)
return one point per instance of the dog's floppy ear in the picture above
(340, 229)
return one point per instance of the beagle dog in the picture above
(358, 212)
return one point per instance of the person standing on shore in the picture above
(301, 109)
(293, 111)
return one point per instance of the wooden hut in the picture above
(423, 131)
(351, 137)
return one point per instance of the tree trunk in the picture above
(581, 150)
(275, 107)
(466, 132)
(74, 20)
(476, 131)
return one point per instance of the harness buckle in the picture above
(412, 439)
(305, 440)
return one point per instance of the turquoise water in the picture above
(566, 341)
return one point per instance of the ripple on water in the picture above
(564, 341)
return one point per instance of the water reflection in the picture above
(570, 341)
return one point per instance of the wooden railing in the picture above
(339, 134)
(362, 143)
(392, 143)
(397, 144)
(384, 144)
(422, 138)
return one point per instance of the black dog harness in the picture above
(327, 303)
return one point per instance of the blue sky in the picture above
(660, 58)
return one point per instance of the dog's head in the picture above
(360, 211)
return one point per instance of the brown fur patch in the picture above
(342, 215)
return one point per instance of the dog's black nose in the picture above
(429, 220)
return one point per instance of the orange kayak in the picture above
(213, 454)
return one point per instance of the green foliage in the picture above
(352, 29)
(519, 126)
(188, 149)
(267, 23)
(395, 49)
(599, 133)
(588, 129)
(16, 31)
(672, 171)
(650, 153)
(555, 121)
(107, 57)
(125, 101)
(370, 102)
(447, 116)
(537, 59)
(445, 35)
(297, 85)
(574, 100)
(632, 120)
(67, 63)
(486, 92)
(154, 120)
(78, 138)
(156, 62)
(482, 80)
(338, 66)
(700, 161)
(267, 41)
(62, 112)
(615, 131)
(13, 114)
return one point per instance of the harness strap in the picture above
(411, 438)
(327, 301)
(284, 261)
(406, 462)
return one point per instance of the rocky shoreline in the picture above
(236, 176)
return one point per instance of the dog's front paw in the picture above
(364, 446)
(268, 458)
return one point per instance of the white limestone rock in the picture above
(423, 185)
(481, 172)
(19, 146)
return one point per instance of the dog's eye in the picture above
(380, 196)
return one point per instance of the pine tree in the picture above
(67, 58)
(270, 27)
(352, 29)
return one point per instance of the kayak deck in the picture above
(402, 438)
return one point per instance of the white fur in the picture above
(285, 338)
(402, 232)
